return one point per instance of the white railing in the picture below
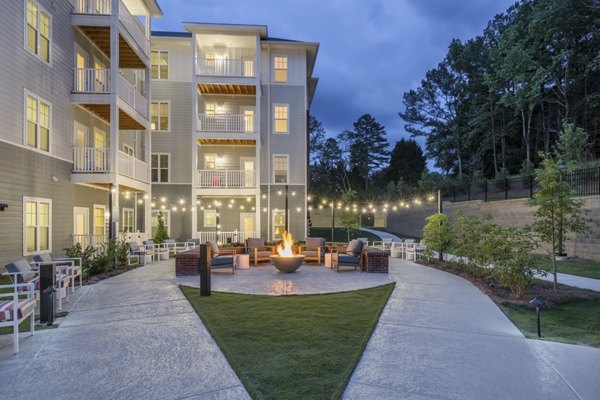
(134, 27)
(90, 159)
(226, 178)
(132, 96)
(226, 123)
(225, 67)
(132, 167)
(225, 237)
(93, 7)
(91, 80)
(90, 240)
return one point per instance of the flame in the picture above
(286, 249)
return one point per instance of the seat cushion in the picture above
(344, 259)
(354, 247)
(313, 244)
(42, 258)
(21, 265)
(214, 248)
(7, 308)
(255, 243)
(221, 261)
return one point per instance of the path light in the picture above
(537, 302)
(163, 199)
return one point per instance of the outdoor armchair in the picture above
(17, 302)
(350, 258)
(314, 250)
(257, 250)
(66, 265)
(139, 252)
(221, 259)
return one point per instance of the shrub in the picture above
(161, 230)
(86, 256)
(437, 234)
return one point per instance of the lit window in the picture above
(37, 128)
(159, 64)
(278, 224)
(38, 30)
(280, 169)
(37, 225)
(280, 68)
(280, 115)
(100, 221)
(210, 218)
(160, 167)
(210, 108)
(210, 161)
(159, 116)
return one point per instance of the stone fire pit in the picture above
(287, 264)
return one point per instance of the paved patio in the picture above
(135, 337)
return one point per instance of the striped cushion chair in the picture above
(14, 308)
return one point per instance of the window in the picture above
(37, 228)
(210, 218)
(99, 223)
(280, 115)
(280, 169)
(160, 167)
(37, 30)
(37, 122)
(127, 149)
(210, 108)
(210, 161)
(159, 120)
(166, 215)
(159, 64)
(248, 67)
(280, 68)
(128, 223)
(278, 223)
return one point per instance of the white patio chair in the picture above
(16, 306)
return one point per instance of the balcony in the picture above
(91, 80)
(239, 123)
(226, 67)
(91, 160)
(229, 178)
(133, 168)
(133, 97)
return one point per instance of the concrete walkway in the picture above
(133, 336)
(440, 337)
(382, 234)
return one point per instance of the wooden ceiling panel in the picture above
(100, 35)
(222, 88)
(229, 142)
(126, 122)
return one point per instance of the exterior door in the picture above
(80, 143)
(247, 224)
(248, 164)
(100, 150)
(81, 225)
(81, 63)
(248, 113)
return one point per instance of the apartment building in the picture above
(75, 132)
(229, 131)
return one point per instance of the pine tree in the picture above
(161, 230)
(368, 148)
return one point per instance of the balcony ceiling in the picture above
(102, 111)
(222, 88)
(100, 35)
(228, 142)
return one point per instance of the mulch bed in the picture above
(105, 275)
(500, 295)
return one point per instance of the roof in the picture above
(154, 8)
(208, 27)
(171, 34)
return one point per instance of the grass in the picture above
(577, 322)
(586, 268)
(292, 347)
(341, 234)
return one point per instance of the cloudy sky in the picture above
(371, 51)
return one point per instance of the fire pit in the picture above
(285, 260)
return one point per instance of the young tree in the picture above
(437, 234)
(349, 218)
(557, 213)
(572, 145)
(161, 230)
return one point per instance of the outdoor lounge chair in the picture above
(257, 250)
(221, 259)
(175, 247)
(139, 252)
(351, 258)
(15, 306)
(314, 250)
(65, 264)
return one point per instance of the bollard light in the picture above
(537, 303)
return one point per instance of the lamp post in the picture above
(286, 208)
(332, 222)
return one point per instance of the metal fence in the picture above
(583, 182)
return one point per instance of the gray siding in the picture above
(230, 105)
(178, 141)
(297, 222)
(180, 56)
(27, 173)
(181, 221)
(231, 155)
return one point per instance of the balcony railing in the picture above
(90, 240)
(225, 67)
(91, 80)
(132, 167)
(226, 123)
(134, 27)
(133, 97)
(93, 7)
(225, 237)
(91, 159)
(226, 178)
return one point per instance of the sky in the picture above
(371, 51)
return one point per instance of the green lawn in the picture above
(589, 269)
(577, 322)
(292, 347)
